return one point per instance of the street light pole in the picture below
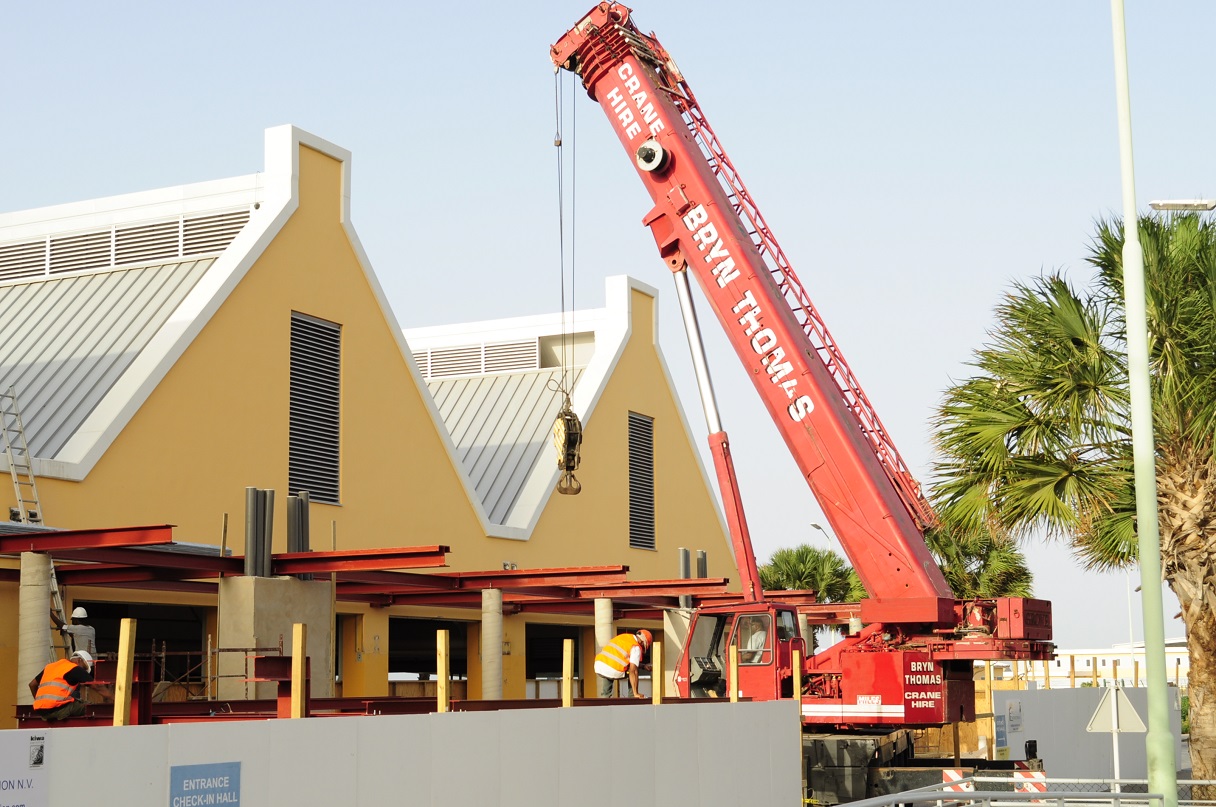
(1159, 743)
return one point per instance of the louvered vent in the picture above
(503, 357)
(119, 246)
(22, 260)
(147, 242)
(213, 233)
(76, 253)
(313, 444)
(507, 356)
(451, 361)
(423, 359)
(641, 481)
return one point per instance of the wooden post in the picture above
(1114, 671)
(656, 673)
(1072, 671)
(991, 710)
(796, 663)
(567, 672)
(443, 671)
(126, 672)
(734, 673)
(1047, 673)
(1136, 673)
(299, 669)
(1095, 670)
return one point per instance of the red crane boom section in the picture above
(705, 220)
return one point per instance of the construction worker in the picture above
(54, 689)
(84, 637)
(619, 661)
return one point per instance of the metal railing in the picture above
(998, 791)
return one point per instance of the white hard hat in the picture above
(80, 613)
(86, 657)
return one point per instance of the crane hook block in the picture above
(568, 440)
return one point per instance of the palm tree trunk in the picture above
(1201, 686)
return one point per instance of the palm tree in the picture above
(980, 563)
(807, 567)
(1038, 441)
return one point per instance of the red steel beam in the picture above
(52, 541)
(575, 576)
(107, 575)
(696, 587)
(349, 560)
(155, 559)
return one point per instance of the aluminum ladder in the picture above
(20, 463)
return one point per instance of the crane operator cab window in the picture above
(707, 656)
(754, 638)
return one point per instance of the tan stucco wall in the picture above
(594, 525)
(218, 422)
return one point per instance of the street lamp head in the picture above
(1183, 204)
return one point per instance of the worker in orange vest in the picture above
(619, 661)
(54, 689)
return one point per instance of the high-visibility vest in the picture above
(616, 653)
(54, 690)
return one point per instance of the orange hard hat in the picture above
(645, 636)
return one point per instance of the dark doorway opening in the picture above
(175, 635)
(411, 646)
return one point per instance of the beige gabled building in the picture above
(170, 348)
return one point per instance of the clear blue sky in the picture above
(911, 158)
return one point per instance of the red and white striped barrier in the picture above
(1028, 781)
(952, 778)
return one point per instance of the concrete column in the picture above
(34, 626)
(604, 631)
(491, 644)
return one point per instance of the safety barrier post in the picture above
(734, 673)
(567, 672)
(126, 672)
(443, 671)
(796, 663)
(656, 673)
(299, 670)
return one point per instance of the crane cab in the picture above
(766, 634)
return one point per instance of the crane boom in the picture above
(705, 222)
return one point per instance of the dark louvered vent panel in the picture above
(509, 356)
(641, 481)
(316, 361)
(76, 253)
(213, 233)
(22, 260)
(148, 242)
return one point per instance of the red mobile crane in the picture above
(911, 665)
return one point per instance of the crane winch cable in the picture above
(567, 428)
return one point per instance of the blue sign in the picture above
(1001, 740)
(218, 783)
